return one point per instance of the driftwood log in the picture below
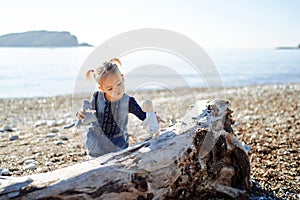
(197, 158)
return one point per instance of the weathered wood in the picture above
(197, 158)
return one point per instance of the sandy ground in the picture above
(32, 138)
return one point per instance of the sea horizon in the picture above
(46, 72)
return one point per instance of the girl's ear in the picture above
(100, 88)
(122, 75)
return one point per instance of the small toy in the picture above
(89, 117)
(90, 114)
(150, 122)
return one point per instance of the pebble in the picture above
(40, 123)
(58, 142)
(30, 166)
(247, 118)
(13, 157)
(67, 115)
(69, 120)
(41, 139)
(5, 172)
(44, 169)
(49, 163)
(19, 132)
(63, 137)
(8, 128)
(54, 130)
(29, 157)
(60, 122)
(50, 135)
(27, 162)
(51, 123)
(14, 137)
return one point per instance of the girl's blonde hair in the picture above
(112, 65)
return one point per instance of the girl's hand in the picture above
(80, 114)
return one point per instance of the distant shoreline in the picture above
(287, 48)
(213, 89)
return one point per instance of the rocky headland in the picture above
(40, 39)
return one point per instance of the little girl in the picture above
(112, 106)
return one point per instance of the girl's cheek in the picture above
(120, 86)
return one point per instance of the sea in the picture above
(44, 72)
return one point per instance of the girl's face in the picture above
(112, 84)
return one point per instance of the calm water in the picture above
(29, 72)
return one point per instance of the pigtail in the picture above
(89, 74)
(117, 62)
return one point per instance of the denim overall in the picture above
(97, 142)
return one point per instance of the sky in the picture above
(215, 23)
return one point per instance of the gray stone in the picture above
(58, 142)
(49, 163)
(30, 166)
(51, 123)
(13, 157)
(41, 139)
(54, 130)
(40, 123)
(67, 115)
(8, 128)
(27, 162)
(69, 120)
(50, 135)
(60, 122)
(5, 172)
(63, 137)
(14, 137)
(29, 157)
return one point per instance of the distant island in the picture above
(298, 47)
(40, 39)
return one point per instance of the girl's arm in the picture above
(135, 109)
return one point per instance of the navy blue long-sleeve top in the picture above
(109, 125)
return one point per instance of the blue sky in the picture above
(216, 23)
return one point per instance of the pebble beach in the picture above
(267, 119)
